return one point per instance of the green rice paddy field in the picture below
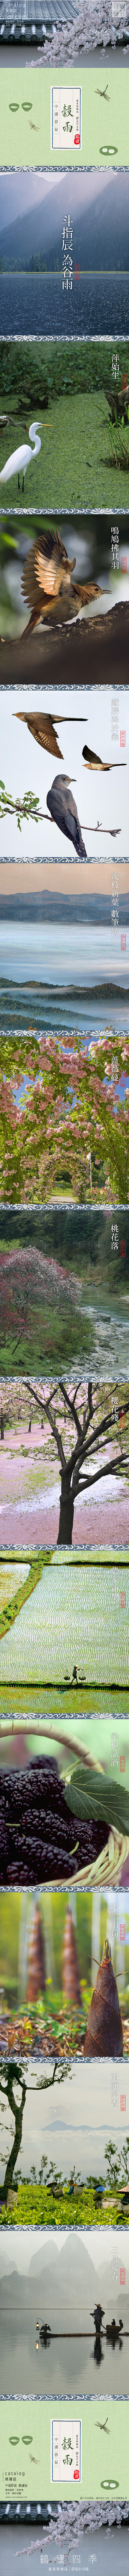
(69, 1619)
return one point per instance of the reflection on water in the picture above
(69, 2367)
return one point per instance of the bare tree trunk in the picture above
(66, 1517)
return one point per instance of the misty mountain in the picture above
(65, 2292)
(99, 213)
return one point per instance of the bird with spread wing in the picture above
(46, 581)
(92, 760)
(43, 728)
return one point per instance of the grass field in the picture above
(75, 468)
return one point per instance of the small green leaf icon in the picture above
(14, 2438)
(14, 106)
(26, 104)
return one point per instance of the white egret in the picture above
(21, 456)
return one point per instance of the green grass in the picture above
(75, 469)
(13, 1604)
(75, 1703)
(55, 1342)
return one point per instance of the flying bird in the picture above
(92, 760)
(61, 804)
(46, 578)
(44, 731)
(22, 456)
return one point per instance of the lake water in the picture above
(37, 305)
(61, 952)
(67, 2367)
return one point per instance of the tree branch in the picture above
(78, 1453)
(110, 1469)
(47, 1408)
(101, 1427)
(71, 1404)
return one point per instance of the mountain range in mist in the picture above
(98, 209)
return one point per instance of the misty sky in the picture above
(97, 201)
(69, 2125)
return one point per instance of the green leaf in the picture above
(88, 1793)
